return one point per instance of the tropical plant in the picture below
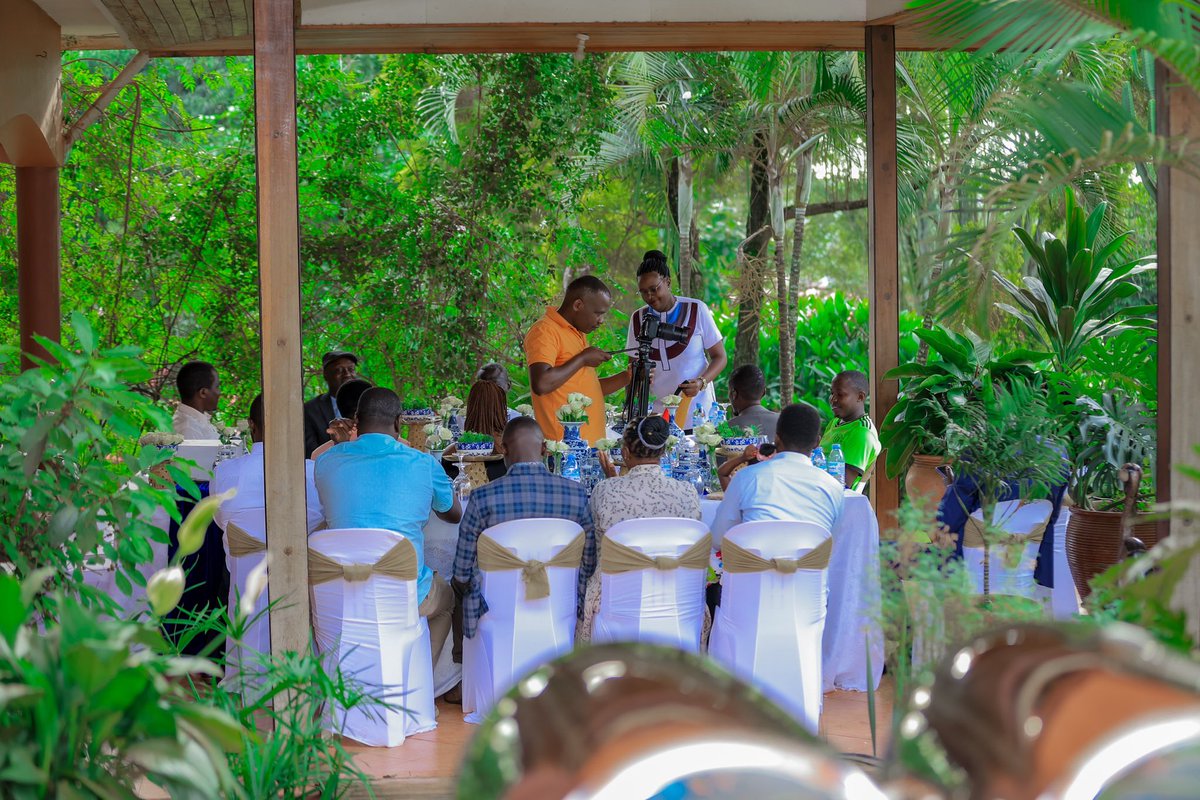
(89, 704)
(938, 397)
(1009, 437)
(1114, 431)
(75, 482)
(471, 437)
(1080, 287)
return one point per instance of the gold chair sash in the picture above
(400, 563)
(616, 558)
(974, 530)
(495, 557)
(738, 559)
(241, 543)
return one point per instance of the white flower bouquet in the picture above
(575, 409)
(607, 444)
(672, 400)
(557, 448)
(161, 440)
(450, 406)
(525, 410)
(706, 435)
(672, 441)
(438, 437)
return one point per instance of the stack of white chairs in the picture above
(519, 633)
(245, 548)
(1016, 518)
(370, 625)
(661, 605)
(770, 623)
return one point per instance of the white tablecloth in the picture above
(855, 608)
(852, 619)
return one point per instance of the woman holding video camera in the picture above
(688, 352)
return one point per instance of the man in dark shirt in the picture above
(338, 367)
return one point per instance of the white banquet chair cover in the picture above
(769, 626)
(516, 635)
(373, 629)
(256, 642)
(100, 573)
(1064, 598)
(1018, 519)
(659, 606)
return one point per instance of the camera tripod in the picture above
(637, 394)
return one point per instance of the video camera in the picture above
(654, 328)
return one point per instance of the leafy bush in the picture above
(74, 481)
(87, 705)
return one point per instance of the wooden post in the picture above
(279, 285)
(883, 266)
(1178, 114)
(38, 263)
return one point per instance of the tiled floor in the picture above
(425, 765)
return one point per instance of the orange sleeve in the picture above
(541, 345)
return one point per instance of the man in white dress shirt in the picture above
(199, 392)
(786, 486)
(248, 507)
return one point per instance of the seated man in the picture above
(343, 428)
(962, 497)
(199, 392)
(851, 427)
(376, 481)
(337, 367)
(747, 385)
(248, 506)
(787, 486)
(527, 491)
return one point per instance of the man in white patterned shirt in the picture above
(199, 392)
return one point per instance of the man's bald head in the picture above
(523, 441)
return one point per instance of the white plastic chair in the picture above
(257, 638)
(769, 626)
(373, 629)
(658, 606)
(201, 451)
(1017, 519)
(516, 635)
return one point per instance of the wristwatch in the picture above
(703, 382)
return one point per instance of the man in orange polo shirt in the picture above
(560, 361)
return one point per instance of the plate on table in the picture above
(715, 496)
(453, 459)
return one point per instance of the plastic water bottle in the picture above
(818, 458)
(835, 465)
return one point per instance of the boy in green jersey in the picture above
(851, 427)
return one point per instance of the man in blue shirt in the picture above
(378, 482)
(786, 486)
(527, 491)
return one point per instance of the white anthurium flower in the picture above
(672, 441)
(164, 589)
(557, 447)
(525, 410)
(431, 429)
(672, 400)
(256, 583)
(444, 433)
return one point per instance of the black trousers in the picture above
(206, 587)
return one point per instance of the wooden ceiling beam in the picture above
(544, 37)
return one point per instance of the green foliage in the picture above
(727, 431)
(1113, 431)
(88, 704)
(75, 483)
(470, 437)
(1077, 295)
(941, 396)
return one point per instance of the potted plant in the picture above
(935, 396)
(735, 437)
(1114, 432)
(475, 444)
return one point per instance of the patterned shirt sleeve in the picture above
(587, 565)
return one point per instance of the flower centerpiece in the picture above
(575, 409)
(163, 441)
(557, 451)
(737, 437)
(451, 411)
(706, 435)
(525, 410)
(613, 446)
(672, 400)
(437, 437)
(475, 444)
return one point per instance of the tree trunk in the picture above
(683, 223)
(788, 328)
(750, 289)
(775, 170)
(945, 201)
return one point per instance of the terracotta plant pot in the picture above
(1094, 543)
(924, 481)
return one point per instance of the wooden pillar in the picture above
(38, 263)
(883, 265)
(1178, 111)
(279, 286)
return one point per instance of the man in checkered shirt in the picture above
(528, 491)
